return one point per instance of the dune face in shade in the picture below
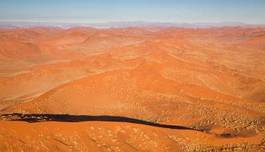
(114, 89)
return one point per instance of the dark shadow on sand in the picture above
(32, 118)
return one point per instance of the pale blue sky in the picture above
(91, 11)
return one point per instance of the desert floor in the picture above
(132, 89)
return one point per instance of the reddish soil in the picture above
(211, 80)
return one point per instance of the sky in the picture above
(100, 11)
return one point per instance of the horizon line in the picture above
(128, 21)
(122, 24)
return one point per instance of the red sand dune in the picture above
(209, 79)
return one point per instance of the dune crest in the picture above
(210, 80)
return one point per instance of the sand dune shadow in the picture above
(33, 118)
